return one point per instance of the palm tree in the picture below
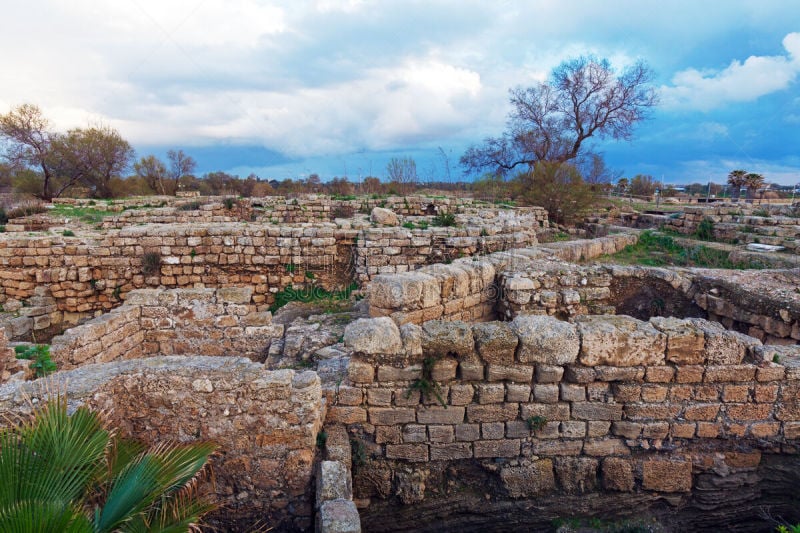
(753, 182)
(64, 472)
(736, 179)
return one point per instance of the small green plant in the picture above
(229, 203)
(117, 292)
(535, 423)
(68, 233)
(3, 215)
(322, 439)
(705, 230)
(788, 529)
(39, 354)
(2, 229)
(776, 358)
(309, 275)
(290, 268)
(193, 253)
(358, 452)
(91, 202)
(444, 220)
(761, 213)
(484, 232)
(408, 225)
(426, 385)
(151, 263)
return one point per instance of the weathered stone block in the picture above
(605, 447)
(620, 340)
(450, 452)
(685, 340)
(496, 342)
(442, 338)
(408, 452)
(529, 480)
(440, 415)
(390, 417)
(496, 448)
(667, 475)
(549, 373)
(576, 475)
(516, 373)
(339, 516)
(596, 411)
(372, 336)
(617, 474)
(545, 339)
(333, 482)
(492, 413)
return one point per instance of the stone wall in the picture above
(171, 322)
(608, 403)
(468, 289)
(264, 422)
(758, 224)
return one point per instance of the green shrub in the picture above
(230, 203)
(3, 216)
(68, 233)
(426, 385)
(705, 230)
(444, 220)
(39, 354)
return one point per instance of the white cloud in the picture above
(739, 82)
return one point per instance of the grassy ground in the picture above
(90, 215)
(655, 249)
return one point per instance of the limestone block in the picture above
(339, 516)
(617, 474)
(685, 340)
(620, 341)
(234, 295)
(333, 482)
(496, 342)
(544, 339)
(529, 480)
(405, 291)
(442, 338)
(372, 336)
(667, 475)
(576, 475)
(724, 347)
(383, 216)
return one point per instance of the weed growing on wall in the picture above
(39, 355)
(426, 385)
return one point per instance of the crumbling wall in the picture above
(264, 422)
(166, 322)
(470, 288)
(541, 406)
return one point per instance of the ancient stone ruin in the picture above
(484, 382)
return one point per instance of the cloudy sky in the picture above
(338, 87)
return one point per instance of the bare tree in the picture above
(28, 142)
(153, 172)
(402, 170)
(583, 99)
(180, 165)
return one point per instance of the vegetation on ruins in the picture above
(559, 188)
(311, 294)
(426, 384)
(444, 220)
(39, 356)
(705, 230)
(657, 249)
(67, 472)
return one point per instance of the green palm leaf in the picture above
(57, 466)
